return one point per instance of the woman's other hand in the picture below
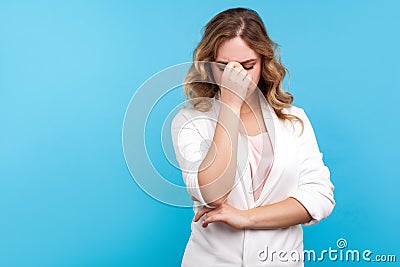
(235, 218)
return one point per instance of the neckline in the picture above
(253, 136)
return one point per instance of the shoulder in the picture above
(299, 124)
(188, 114)
(294, 110)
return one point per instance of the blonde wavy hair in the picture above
(228, 24)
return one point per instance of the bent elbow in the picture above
(329, 207)
(319, 206)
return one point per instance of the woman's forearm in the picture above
(217, 171)
(278, 215)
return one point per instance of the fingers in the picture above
(236, 69)
(217, 217)
(211, 215)
(200, 213)
(234, 79)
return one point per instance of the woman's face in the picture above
(236, 49)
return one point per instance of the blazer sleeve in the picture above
(315, 189)
(190, 148)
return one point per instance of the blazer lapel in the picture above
(275, 131)
(243, 168)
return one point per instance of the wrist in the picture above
(248, 221)
(235, 106)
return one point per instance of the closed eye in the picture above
(221, 68)
(248, 68)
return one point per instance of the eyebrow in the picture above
(243, 62)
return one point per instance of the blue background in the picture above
(68, 70)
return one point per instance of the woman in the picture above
(249, 158)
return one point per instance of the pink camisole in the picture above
(260, 156)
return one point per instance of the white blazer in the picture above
(298, 171)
